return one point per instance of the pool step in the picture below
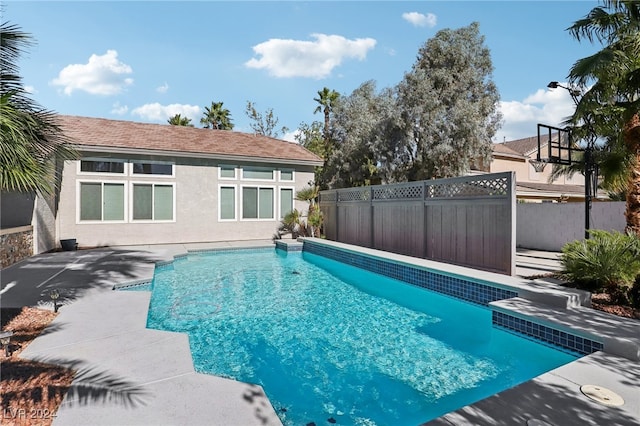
(554, 294)
(289, 245)
(618, 336)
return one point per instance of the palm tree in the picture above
(30, 138)
(179, 120)
(314, 215)
(611, 104)
(326, 100)
(216, 117)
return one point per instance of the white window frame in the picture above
(274, 207)
(293, 199)
(273, 174)
(101, 221)
(79, 171)
(143, 175)
(235, 172)
(293, 175)
(153, 183)
(235, 200)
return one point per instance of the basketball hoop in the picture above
(539, 165)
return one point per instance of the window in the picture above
(286, 175)
(260, 174)
(286, 201)
(227, 203)
(101, 201)
(99, 166)
(152, 202)
(153, 169)
(227, 172)
(257, 203)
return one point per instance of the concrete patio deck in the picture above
(102, 334)
(127, 374)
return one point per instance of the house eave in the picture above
(199, 155)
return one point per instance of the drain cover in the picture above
(602, 395)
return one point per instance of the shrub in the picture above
(634, 294)
(608, 261)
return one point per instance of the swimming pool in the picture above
(329, 342)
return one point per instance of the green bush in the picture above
(608, 261)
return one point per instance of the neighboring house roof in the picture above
(549, 187)
(502, 150)
(99, 134)
(526, 146)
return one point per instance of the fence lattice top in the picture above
(496, 184)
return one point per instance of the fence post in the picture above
(425, 224)
(371, 218)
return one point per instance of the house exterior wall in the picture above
(526, 173)
(196, 204)
(44, 225)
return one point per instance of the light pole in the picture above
(590, 167)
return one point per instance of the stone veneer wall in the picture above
(15, 244)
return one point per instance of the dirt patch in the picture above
(31, 391)
(602, 302)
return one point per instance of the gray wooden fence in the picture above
(467, 221)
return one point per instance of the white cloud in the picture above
(30, 89)
(420, 20)
(315, 59)
(102, 75)
(163, 89)
(158, 112)
(291, 136)
(545, 106)
(119, 109)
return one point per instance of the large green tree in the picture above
(449, 106)
(31, 140)
(358, 130)
(216, 117)
(610, 105)
(310, 137)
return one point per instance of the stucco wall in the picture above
(526, 173)
(549, 226)
(196, 214)
(44, 225)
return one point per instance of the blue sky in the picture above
(145, 61)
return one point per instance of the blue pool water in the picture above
(330, 342)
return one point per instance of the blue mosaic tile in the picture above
(164, 266)
(230, 250)
(556, 338)
(460, 288)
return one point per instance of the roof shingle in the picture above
(99, 132)
(526, 146)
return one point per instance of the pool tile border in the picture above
(230, 250)
(470, 291)
(557, 338)
(477, 293)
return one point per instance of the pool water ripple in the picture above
(328, 340)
